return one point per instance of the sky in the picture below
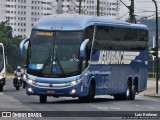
(143, 8)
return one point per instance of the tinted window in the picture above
(114, 38)
(89, 35)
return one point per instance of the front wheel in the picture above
(90, 96)
(43, 99)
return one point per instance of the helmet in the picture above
(18, 68)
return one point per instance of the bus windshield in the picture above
(54, 53)
(1, 59)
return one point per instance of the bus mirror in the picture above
(1, 52)
(23, 45)
(83, 48)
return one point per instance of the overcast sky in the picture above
(143, 8)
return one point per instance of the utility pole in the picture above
(131, 11)
(80, 1)
(97, 7)
(157, 64)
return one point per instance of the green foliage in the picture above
(9, 68)
(11, 45)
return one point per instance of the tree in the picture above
(11, 47)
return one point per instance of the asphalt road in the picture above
(13, 100)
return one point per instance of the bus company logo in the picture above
(6, 114)
(116, 57)
(50, 85)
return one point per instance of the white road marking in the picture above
(105, 108)
(102, 108)
(148, 107)
(151, 108)
(1, 93)
(137, 105)
(115, 108)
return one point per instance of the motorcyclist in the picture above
(18, 72)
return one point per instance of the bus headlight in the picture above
(30, 90)
(75, 82)
(30, 81)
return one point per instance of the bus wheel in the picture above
(130, 93)
(1, 88)
(90, 96)
(43, 99)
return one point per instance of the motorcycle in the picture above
(18, 82)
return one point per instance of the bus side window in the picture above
(103, 35)
(89, 35)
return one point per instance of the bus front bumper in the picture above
(69, 91)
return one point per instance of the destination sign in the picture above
(42, 33)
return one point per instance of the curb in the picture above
(152, 95)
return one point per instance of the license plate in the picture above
(50, 91)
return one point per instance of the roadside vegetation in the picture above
(11, 45)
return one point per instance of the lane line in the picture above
(115, 108)
(102, 108)
(137, 105)
(151, 108)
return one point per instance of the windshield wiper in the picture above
(60, 66)
(45, 64)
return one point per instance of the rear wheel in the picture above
(90, 96)
(43, 99)
(129, 95)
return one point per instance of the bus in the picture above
(84, 56)
(2, 67)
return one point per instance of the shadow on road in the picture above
(96, 100)
(73, 101)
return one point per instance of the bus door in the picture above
(99, 56)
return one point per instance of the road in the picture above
(13, 100)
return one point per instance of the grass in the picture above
(9, 75)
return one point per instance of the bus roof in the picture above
(79, 22)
